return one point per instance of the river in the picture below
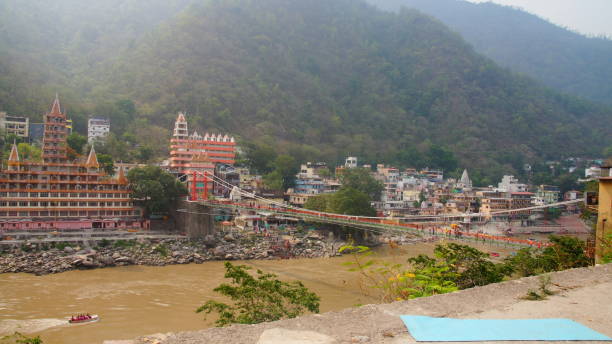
(139, 300)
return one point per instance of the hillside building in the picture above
(511, 184)
(15, 125)
(61, 194)
(547, 194)
(97, 129)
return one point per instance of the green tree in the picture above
(274, 181)
(259, 299)
(565, 253)
(350, 201)
(318, 202)
(155, 189)
(409, 157)
(29, 152)
(145, 153)
(260, 156)
(607, 152)
(471, 265)
(361, 179)
(525, 263)
(76, 141)
(106, 163)
(441, 157)
(283, 175)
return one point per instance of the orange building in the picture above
(61, 194)
(187, 151)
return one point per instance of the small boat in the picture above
(90, 319)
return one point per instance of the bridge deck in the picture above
(383, 225)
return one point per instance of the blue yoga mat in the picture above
(428, 329)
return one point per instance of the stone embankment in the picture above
(582, 295)
(58, 257)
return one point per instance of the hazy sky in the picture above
(592, 17)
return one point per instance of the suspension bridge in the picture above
(421, 225)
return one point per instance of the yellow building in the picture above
(604, 217)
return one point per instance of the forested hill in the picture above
(526, 43)
(52, 46)
(321, 79)
(341, 77)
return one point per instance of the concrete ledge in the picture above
(584, 295)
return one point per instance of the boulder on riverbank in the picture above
(55, 257)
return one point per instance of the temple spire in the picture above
(56, 109)
(180, 127)
(14, 156)
(465, 179)
(92, 159)
(121, 179)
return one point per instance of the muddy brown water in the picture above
(138, 300)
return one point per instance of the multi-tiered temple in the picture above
(196, 152)
(62, 194)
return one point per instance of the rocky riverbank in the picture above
(48, 258)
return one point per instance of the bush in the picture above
(565, 253)
(260, 299)
(470, 266)
(60, 245)
(104, 243)
(525, 263)
(161, 249)
(18, 338)
(394, 282)
(124, 243)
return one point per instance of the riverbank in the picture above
(47, 258)
(578, 295)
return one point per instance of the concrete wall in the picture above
(195, 220)
(604, 219)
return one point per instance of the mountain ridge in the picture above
(321, 80)
(563, 59)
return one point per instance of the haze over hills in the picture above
(561, 58)
(318, 79)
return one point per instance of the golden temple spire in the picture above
(92, 159)
(121, 179)
(14, 156)
(55, 108)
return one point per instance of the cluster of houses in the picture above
(409, 191)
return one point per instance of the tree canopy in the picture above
(155, 189)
